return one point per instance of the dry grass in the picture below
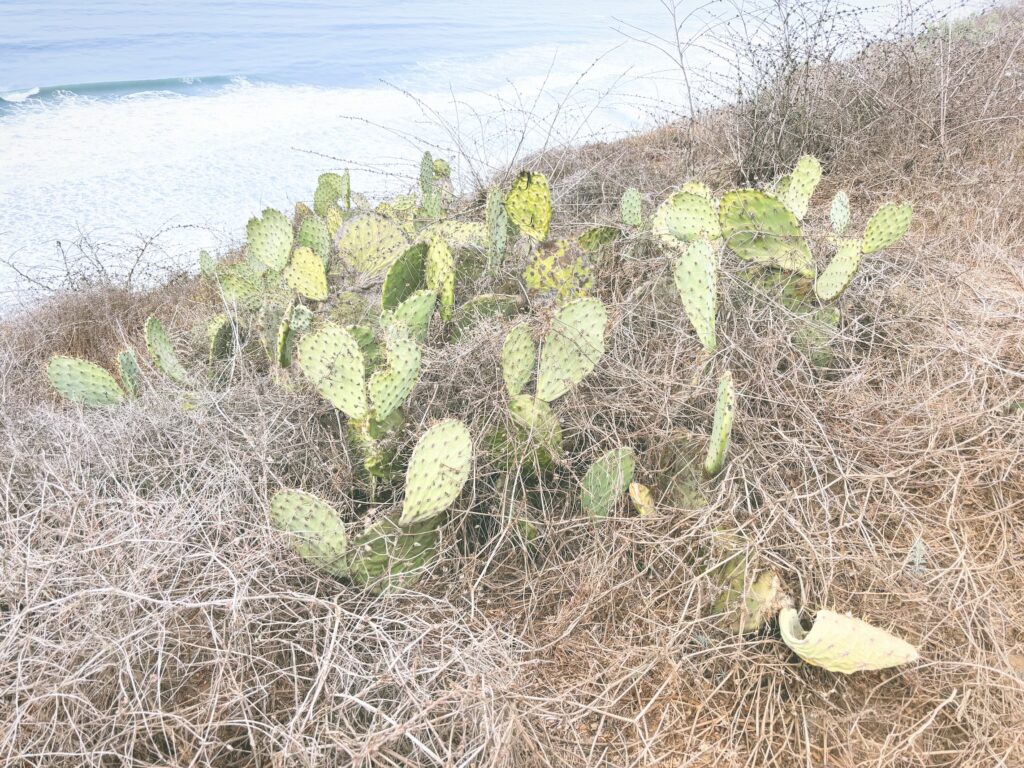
(150, 616)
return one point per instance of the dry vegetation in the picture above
(149, 615)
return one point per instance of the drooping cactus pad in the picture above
(696, 279)
(802, 182)
(162, 352)
(888, 225)
(719, 444)
(840, 270)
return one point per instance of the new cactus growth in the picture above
(518, 357)
(696, 279)
(369, 244)
(528, 204)
(333, 362)
(606, 481)
(438, 469)
(802, 182)
(440, 276)
(571, 348)
(631, 209)
(318, 535)
(83, 382)
(270, 239)
(162, 352)
(128, 370)
(306, 275)
(426, 173)
(759, 228)
(719, 445)
(404, 277)
(843, 644)
(888, 225)
(839, 213)
(840, 271)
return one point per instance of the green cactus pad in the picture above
(128, 370)
(685, 217)
(369, 244)
(335, 220)
(239, 285)
(414, 313)
(559, 268)
(642, 498)
(404, 277)
(839, 213)
(597, 237)
(696, 279)
(440, 276)
(301, 319)
(724, 409)
(313, 234)
(813, 336)
(220, 337)
(270, 239)
(83, 382)
(438, 469)
(390, 386)
(840, 271)
(282, 355)
(528, 204)
(497, 227)
(843, 644)
(750, 607)
(432, 207)
(332, 189)
(481, 308)
(426, 173)
(306, 275)
(318, 535)
(631, 208)
(606, 481)
(332, 361)
(759, 228)
(367, 341)
(571, 348)
(457, 234)
(442, 170)
(207, 266)
(518, 358)
(388, 555)
(539, 425)
(802, 183)
(162, 352)
(697, 188)
(888, 225)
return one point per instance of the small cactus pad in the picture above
(313, 234)
(440, 275)
(426, 173)
(404, 277)
(888, 225)
(839, 213)
(390, 386)
(843, 644)
(301, 319)
(719, 445)
(840, 270)
(642, 498)
(559, 268)
(438, 469)
(414, 313)
(538, 423)
(369, 244)
(219, 337)
(306, 275)
(606, 481)
(483, 307)
(802, 183)
(631, 209)
(388, 555)
(518, 358)
(162, 352)
(332, 189)
(318, 535)
(759, 228)
(497, 227)
(571, 348)
(685, 217)
(128, 370)
(270, 239)
(528, 204)
(442, 170)
(696, 279)
(83, 382)
(432, 207)
(335, 220)
(750, 607)
(332, 361)
(596, 238)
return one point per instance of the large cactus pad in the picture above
(318, 535)
(404, 277)
(306, 275)
(390, 386)
(83, 382)
(719, 444)
(369, 244)
(759, 228)
(686, 216)
(606, 481)
(631, 209)
(696, 278)
(438, 469)
(571, 348)
(270, 239)
(840, 271)
(802, 182)
(332, 361)
(162, 352)
(528, 204)
(843, 644)
(888, 225)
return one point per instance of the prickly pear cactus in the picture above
(318, 535)
(240, 285)
(839, 212)
(719, 445)
(481, 308)
(313, 234)
(333, 362)
(685, 217)
(631, 209)
(438, 469)
(571, 348)
(561, 269)
(802, 182)
(528, 204)
(759, 228)
(497, 227)
(840, 271)
(388, 555)
(207, 266)
(128, 370)
(539, 425)
(270, 239)
(83, 382)
(749, 607)
(888, 225)
(696, 279)
(440, 274)
(518, 358)
(332, 189)
(642, 498)
(220, 338)
(457, 234)
(596, 238)
(404, 277)
(306, 275)
(369, 244)
(414, 313)
(426, 173)
(162, 352)
(390, 386)
(606, 481)
(843, 644)
(301, 319)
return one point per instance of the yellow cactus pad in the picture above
(843, 644)
(529, 205)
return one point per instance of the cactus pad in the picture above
(414, 313)
(301, 319)
(457, 234)
(843, 644)
(481, 308)
(724, 409)
(270, 239)
(631, 209)
(888, 225)
(597, 237)
(332, 361)
(840, 271)
(802, 182)
(207, 266)
(219, 337)
(696, 279)
(128, 370)
(538, 423)
(497, 227)
(332, 189)
(559, 268)
(426, 173)
(240, 285)
(684, 217)
(518, 358)
(751, 606)
(83, 382)
(606, 481)
(369, 244)
(390, 386)
(642, 498)
(528, 204)
(759, 228)
(571, 348)
(388, 555)
(318, 534)
(404, 277)
(313, 234)
(306, 275)
(440, 276)
(162, 352)
(438, 469)
(839, 212)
